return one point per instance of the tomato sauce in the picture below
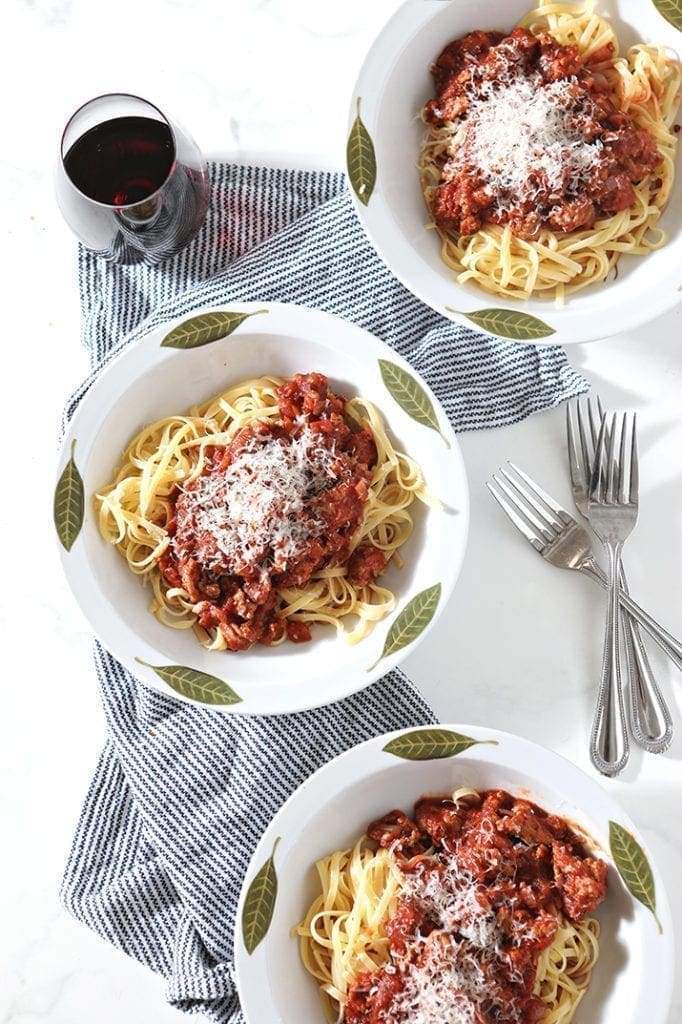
(235, 591)
(616, 154)
(484, 885)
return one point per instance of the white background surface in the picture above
(519, 646)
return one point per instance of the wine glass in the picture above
(131, 183)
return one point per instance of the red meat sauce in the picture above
(240, 600)
(524, 865)
(464, 201)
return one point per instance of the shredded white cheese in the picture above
(443, 989)
(451, 897)
(254, 510)
(444, 975)
(524, 135)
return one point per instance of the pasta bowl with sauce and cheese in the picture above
(243, 505)
(515, 165)
(455, 874)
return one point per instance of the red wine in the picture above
(133, 188)
(121, 161)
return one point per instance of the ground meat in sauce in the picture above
(523, 865)
(394, 830)
(240, 601)
(464, 200)
(365, 564)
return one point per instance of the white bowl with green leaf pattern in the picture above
(633, 979)
(183, 363)
(384, 139)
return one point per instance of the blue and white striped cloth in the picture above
(181, 794)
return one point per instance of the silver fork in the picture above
(650, 717)
(612, 508)
(563, 542)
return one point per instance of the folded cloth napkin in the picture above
(181, 794)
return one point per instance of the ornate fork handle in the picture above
(650, 717)
(609, 746)
(665, 640)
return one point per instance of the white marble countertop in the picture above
(519, 645)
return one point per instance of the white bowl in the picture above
(634, 975)
(392, 87)
(147, 381)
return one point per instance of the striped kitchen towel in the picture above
(181, 794)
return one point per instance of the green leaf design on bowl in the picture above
(633, 867)
(430, 744)
(69, 502)
(361, 160)
(671, 11)
(259, 905)
(410, 395)
(205, 328)
(507, 323)
(413, 620)
(196, 685)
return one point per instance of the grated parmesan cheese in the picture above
(525, 136)
(258, 510)
(441, 989)
(445, 973)
(452, 897)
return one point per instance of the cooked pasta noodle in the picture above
(342, 934)
(565, 968)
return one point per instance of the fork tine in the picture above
(560, 514)
(548, 519)
(595, 426)
(587, 458)
(612, 467)
(624, 463)
(595, 423)
(598, 464)
(577, 473)
(545, 526)
(516, 519)
(634, 464)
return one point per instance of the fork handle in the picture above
(665, 640)
(650, 718)
(609, 746)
